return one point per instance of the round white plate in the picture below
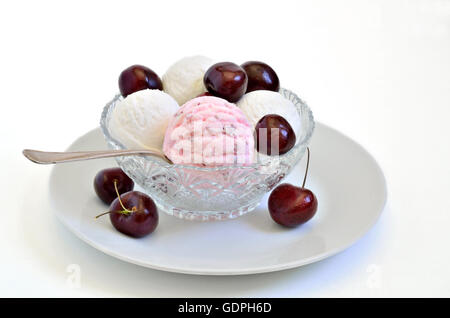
(347, 181)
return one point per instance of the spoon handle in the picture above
(46, 157)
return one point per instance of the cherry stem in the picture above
(125, 210)
(307, 167)
(118, 196)
(102, 214)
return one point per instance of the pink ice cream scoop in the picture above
(209, 131)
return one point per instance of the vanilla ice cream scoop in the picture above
(257, 104)
(139, 121)
(184, 79)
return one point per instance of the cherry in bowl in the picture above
(274, 135)
(261, 77)
(136, 78)
(226, 80)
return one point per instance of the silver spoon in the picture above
(46, 157)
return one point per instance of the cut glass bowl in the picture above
(211, 193)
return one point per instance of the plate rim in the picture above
(246, 271)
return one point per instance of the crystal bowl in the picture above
(206, 193)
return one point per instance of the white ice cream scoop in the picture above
(140, 120)
(184, 79)
(257, 104)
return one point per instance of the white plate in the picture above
(347, 181)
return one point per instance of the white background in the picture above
(379, 71)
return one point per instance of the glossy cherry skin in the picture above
(136, 78)
(284, 133)
(261, 76)
(226, 80)
(139, 223)
(104, 184)
(291, 206)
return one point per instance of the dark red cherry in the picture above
(104, 184)
(283, 133)
(136, 78)
(134, 214)
(261, 76)
(226, 80)
(291, 206)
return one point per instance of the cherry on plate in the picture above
(104, 184)
(290, 205)
(134, 213)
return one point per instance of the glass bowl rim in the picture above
(253, 166)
